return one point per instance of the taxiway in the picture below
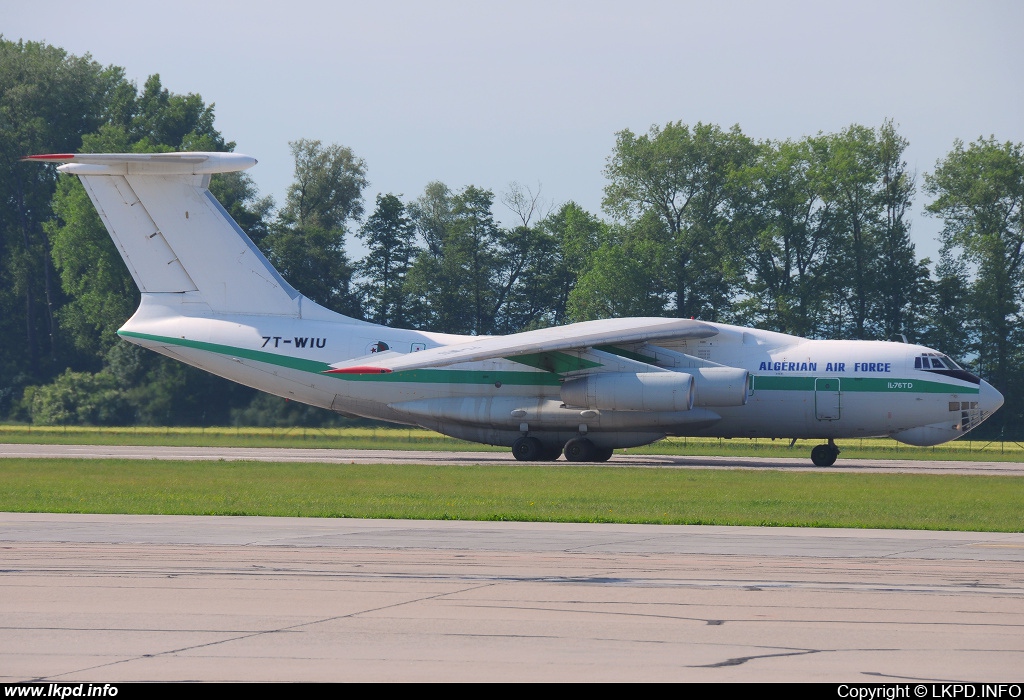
(169, 598)
(798, 462)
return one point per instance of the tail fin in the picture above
(174, 235)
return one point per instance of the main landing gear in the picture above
(825, 455)
(529, 449)
(583, 450)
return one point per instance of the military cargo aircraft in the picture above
(212, 300)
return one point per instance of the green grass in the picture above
(561, 493)
(418, 439)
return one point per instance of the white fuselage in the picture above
(797, 388)
(210, 298)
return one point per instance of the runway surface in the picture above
(152, 598)
(799, 461)
(139, 598)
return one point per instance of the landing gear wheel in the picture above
(825, 455)
(602, 454)
(551, 453)
(528, 449)
(580, 450)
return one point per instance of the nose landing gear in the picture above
(825, 455)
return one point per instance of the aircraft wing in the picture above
(572, 337)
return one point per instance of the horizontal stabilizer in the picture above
(146, 163)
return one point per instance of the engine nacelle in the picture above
(622, 391)
(720, 386)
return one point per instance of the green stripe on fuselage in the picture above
(567, 363)
(862, 384)
(419, 376)
(456, 376)
(244, 353)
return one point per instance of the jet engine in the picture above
(720, 386)
(622, 391)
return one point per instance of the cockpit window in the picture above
(937, 363)
(931, 360)
(950, 363)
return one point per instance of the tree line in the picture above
(807, 236)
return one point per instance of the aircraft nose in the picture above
(989, 399)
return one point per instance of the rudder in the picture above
(173, 234)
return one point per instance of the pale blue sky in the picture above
(486, 93)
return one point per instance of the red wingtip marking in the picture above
(51, 156)
(358, 370)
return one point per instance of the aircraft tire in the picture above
(580, 450)
(528, 449)
(824, 455)
(602, 454)
(551, 453)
